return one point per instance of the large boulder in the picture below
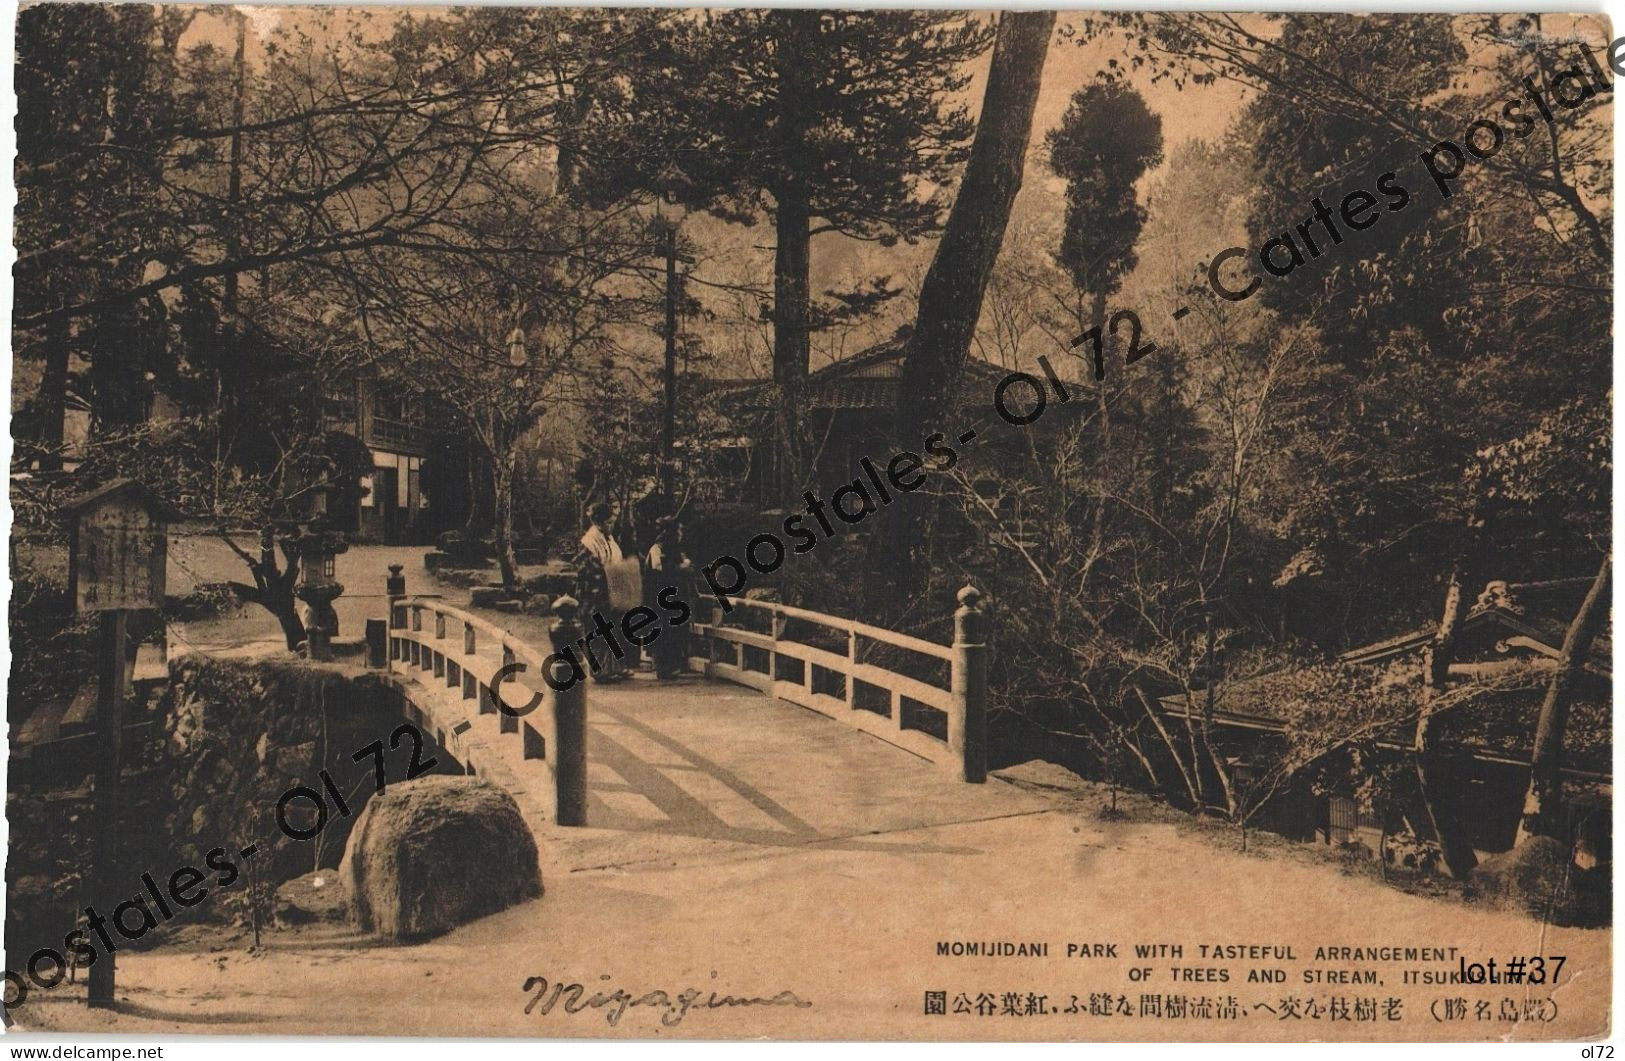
(430, 854)
(312, 898)
(1533, 877)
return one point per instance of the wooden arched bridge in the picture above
(791, 727)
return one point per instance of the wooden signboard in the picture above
(116, 564)
(118, 551)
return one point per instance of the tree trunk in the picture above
(792, 285)
(228, 359)
(115, 366)
(1543, 806)
(951, 297)
(1191, 785)
(1220, 771)
(53, 395)
(1458, 854)
(281, 603)
(1200, 806)
(1103, 456)
(473, 470)
(791, 346)
(502, 483)
(273, 589)
(276, 588)
(573, 110)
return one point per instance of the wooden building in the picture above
(848, 412)
(411, 474)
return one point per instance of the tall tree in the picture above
(1290, 54)
(951, 296)
(1561, 470)
(832, 122)
(1413, 390)
(183, 214)
(147, 168)
(97, 94)
(501, 339)
(1106, 141)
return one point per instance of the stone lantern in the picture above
(318, 546)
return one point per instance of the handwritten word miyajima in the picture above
(784, 524)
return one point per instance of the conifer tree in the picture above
(829, 122)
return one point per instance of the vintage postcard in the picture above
(811, 524)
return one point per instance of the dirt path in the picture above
(853, 928)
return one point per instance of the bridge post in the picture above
(395, 591)
(508, 722)
(569, 720)
(967, 723)
(851, 670)
(377, 644)
(775, 630)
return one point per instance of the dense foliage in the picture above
(217, 228)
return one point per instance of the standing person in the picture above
(600, 553)
(668, 568)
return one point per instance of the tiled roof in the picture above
(868, 380)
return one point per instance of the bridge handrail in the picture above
(854, 626)
(520, 649)
(963, 701)
(556, 733)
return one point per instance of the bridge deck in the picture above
(695, 767)
(676, 767)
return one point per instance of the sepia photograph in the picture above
(807, 524)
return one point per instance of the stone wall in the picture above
(236, 733)
(241, 733)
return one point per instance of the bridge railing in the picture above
(434, 641)
(942, 721)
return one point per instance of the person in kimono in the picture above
(669, 575)
(599, 551)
